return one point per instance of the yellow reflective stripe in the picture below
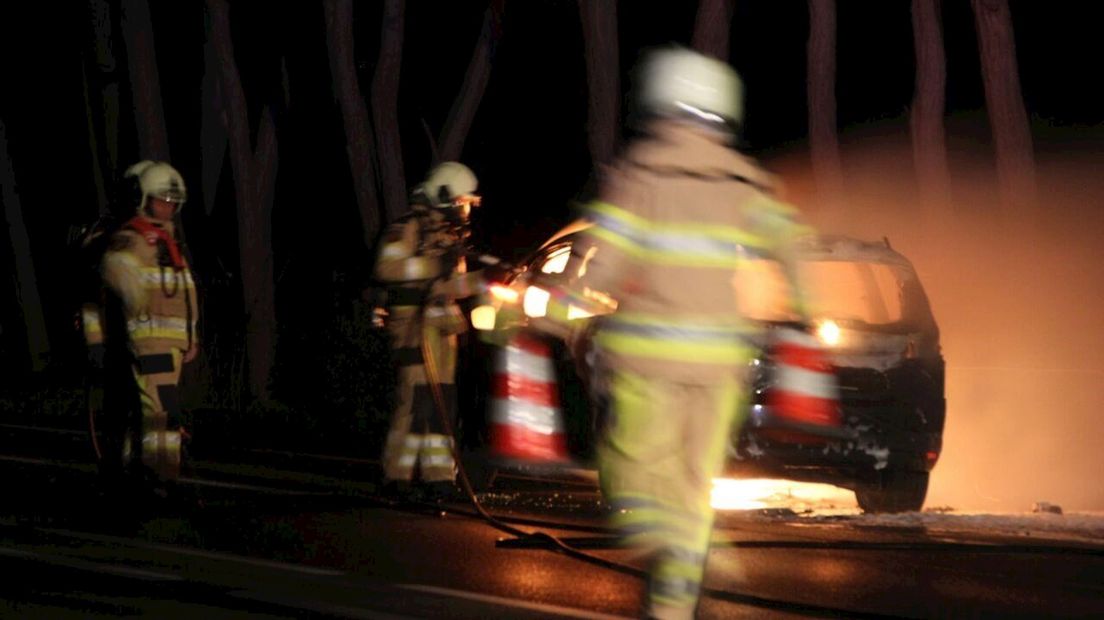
(714, 352)
(158, 327)
(437, 441)
(395, 250)
(731, 326)
(155, 275)
(90, 320)
(635, 227)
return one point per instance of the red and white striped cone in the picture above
(526, 419)
(803, 401)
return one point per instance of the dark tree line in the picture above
(121, 58)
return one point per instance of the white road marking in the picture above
(97, 567)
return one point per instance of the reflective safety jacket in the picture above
(146, 269)
(679, 225)
(421, 264)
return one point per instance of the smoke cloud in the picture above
(1018, 297)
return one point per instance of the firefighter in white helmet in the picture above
(148, 278)
(676, 221)
(421, 264)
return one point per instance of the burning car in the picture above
(873, 318)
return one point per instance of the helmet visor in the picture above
(171, 195)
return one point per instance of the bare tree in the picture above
(38, 342)
(712, 28)
(359, 137)
(929, 147)
(212, 130)
(254, 182)
(462, 112)
(145, 85)
(385, 112)
(599, 21)
(823, 136)
(1004, 101)
(101, 98)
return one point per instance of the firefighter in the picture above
(421, 264)
(150, 302)
(677, 219)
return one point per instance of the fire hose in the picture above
(433, 379)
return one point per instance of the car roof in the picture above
(813, 247)
(827, 247)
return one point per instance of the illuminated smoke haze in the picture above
(1018, 299)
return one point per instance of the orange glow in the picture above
(829, 333)
(758, 493)
(503, 293)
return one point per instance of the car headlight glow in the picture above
(828, 332)
(535, 302)
(483, 317)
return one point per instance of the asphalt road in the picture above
(285, 535)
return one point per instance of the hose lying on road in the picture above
(432, 378)
(557, 544)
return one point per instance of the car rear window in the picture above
(853, 290)
(844, 290)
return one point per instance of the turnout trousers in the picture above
(153, 439)
(664, 445)
(419, 439)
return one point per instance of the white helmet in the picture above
(160, 180)
(681, 82)
(450, 183)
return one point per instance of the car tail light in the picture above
(930, 458)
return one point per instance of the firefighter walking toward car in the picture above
(421, 263)
(678, 219)
(150, 301)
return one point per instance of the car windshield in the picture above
(845, 289)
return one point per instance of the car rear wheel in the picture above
(896, 491)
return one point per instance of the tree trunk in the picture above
(823, 137)
(464, 107)
(38, 341)
(1004, 100)
(254, 182)
(712, 28)
(99, 175)
(929, 148)
(101, 77)
(145, 85)
(599, 20)
(359, 138)
(212, 130)
(385, 110)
